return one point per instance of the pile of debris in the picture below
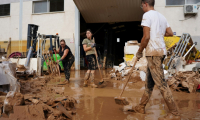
(123, 70)
(33, 86)
(37, 99)
(29, 107)
(185, 81)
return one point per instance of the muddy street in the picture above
(99, 104)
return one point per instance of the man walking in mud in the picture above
(155, 27)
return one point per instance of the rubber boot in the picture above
(66, 81)
(173, 112)
(170, 116)
(92, 80)
(141, 107)
(87, 75)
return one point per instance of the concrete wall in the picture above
(176, 19)
(14, 1)
(50, 23)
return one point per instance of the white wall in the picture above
(49, 23)
(13, 1)
(175, 17)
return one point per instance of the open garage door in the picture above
(113, 22)
(104, 11)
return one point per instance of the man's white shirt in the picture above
(158, 25)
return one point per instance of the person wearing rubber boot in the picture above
(155, 27)
(67, 59)
(88, 46)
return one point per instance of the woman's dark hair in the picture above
(62, 40)
(88, 30)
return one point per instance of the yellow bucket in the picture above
(129, 57)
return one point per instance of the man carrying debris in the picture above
(155, 27)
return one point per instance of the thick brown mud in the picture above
(99, 104)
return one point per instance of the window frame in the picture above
(48, 8)
(175, 5)
(6, 15)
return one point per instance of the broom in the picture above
(98, 63)
(122, 101)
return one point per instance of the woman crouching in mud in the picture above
(88, 46)
(67, 59)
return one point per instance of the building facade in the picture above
(62, 17)
(180, 23)
(56, 17)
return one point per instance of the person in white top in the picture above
(155, 27)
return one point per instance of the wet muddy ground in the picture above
(99, 104)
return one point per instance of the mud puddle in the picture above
(99, 104)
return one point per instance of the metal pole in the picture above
(38, 65)
(190, 49)
(186, 44)
(77, 39)
(20, 23)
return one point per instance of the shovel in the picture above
(120, 100)
(57, 63)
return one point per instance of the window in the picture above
(5, 10)
(48, 6)
(181, 2)
(193, 2)
(40, 7)
(56, 5)
(175, 2)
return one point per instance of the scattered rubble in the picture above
(34, 85)
(37, 101)
(185, 81)
(12, 99)
(122, 71)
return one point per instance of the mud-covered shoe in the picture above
(63, 82)
(85, 84)
(93, 85)
(87, 75)
(170, 116)
(100, 83)
(139, 109)
(92, 81)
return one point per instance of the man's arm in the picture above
(145, 39)
(169, 32)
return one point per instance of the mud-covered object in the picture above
(12, 99)
(33, 86)
(67, 66)
(185, 80)
(7, 76)
(155, 76)
(91, 62)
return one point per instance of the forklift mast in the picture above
(32, 37)
(53, 43)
